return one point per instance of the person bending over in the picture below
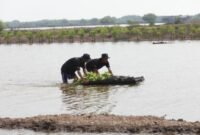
(95, 64)
(72, 65)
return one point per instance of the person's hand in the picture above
(75, 80)
(84, 79)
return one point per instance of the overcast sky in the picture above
(29, 10)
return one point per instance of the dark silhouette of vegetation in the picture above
(1, 26)
(100, 34)
(107, 20)
(149, 18)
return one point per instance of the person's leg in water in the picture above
(64, 77)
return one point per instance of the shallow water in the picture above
(30, 81)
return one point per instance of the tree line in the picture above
(107, 20)
(116, 33)
(1, 26)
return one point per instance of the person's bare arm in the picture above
(84, 71)
(110, 71)
(80, 75)
(76, 77)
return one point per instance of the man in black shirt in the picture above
(69, 68)
(95, 64)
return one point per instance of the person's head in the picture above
(104, 57)
(86, 57)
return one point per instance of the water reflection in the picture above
(87, 99)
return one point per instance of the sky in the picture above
(32, 10)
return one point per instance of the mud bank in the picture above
(101, 123)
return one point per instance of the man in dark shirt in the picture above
(69, 68)
(95, 64)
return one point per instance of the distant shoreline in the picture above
(103, 34)
(78, 26)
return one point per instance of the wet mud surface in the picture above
(101, 123)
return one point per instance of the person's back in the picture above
(71, 66)
(91, 65)
(95, 64)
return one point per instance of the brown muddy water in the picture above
(30, 81)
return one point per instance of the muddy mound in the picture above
(101, 123)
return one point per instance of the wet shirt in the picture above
(72, 65)
(96, 64)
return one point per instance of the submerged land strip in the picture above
(103, 34)
(101, 123)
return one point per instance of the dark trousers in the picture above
(66, 76)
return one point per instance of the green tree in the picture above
(81, 34)
(48, 36)
(192, 31)
(103, 32)
(116, 33)
(181, 32)
(108, 20)
(132, 23)
(124, 33)
(171, 31)
(94, 21)
(197, 34)
(19, 35)
(163, 30)
(83, 22)
(93, 32)
(177, 20)
(40, 36)
(136, 32)
(71, 34)
(1, 26)
(156, 33)
(7, 36)
(60, 35)
(29, 36)
(149, 18)
(149, 33)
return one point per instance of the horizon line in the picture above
(36, 20)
